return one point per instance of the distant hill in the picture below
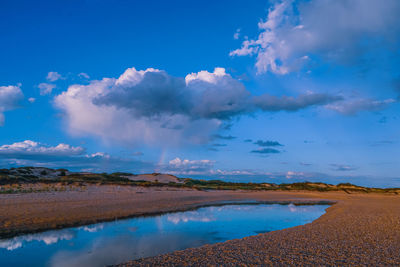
(37, 175)
(41, 174)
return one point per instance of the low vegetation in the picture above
(35, 179)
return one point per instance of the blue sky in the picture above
(277, 91)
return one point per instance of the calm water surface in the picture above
(115, 242)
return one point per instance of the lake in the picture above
(118, 241)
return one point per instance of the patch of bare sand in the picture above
(155, 177)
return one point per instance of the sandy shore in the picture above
(361, 229)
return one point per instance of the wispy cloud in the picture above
(219, 145)
(236, 35)
(383, 142)
(343, 167)
(84, 75)
(53, 76)
(265, 147)
(224, 137)
(267, 143)
(266, 151)
(46, 88)
(288, 103)
(352, 107)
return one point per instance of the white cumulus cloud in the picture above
(31, 148)
(31, 153)
(10, 96)
(189, 167)
(154, 107)
(336, 30)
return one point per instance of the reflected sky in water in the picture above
(115, 242)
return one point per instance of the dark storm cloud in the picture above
(218, 96)
(157, 93)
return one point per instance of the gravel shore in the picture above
(360, 229)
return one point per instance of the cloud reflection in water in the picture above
(48, 238)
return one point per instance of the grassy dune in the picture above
(33, 179)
